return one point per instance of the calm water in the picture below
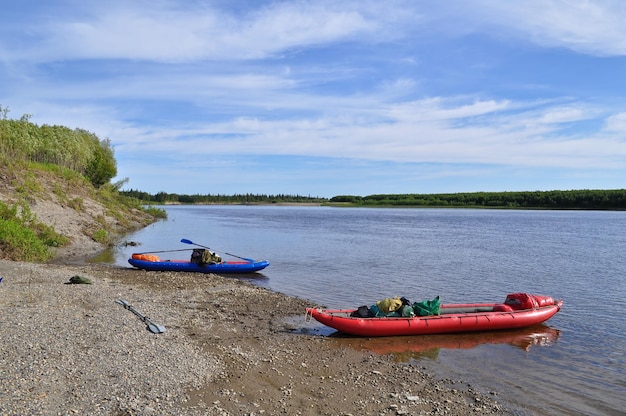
(336, 257)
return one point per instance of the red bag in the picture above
(519, 301)
(544, 300)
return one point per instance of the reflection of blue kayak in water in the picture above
(155, 264)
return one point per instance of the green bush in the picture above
(101, 236)
(20, 243)
(48, 236)
(101, 167)
(23, 238)
(156, 212)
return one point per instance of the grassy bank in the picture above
(37, 200)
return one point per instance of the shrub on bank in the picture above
(19, 243)
(24, 238)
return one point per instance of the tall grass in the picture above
(22, 237)
(78, 149)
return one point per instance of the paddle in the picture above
(152, 327)
(184, 240)
(165, 251)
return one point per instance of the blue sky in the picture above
(328, 98)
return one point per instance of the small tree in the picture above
(102, 167)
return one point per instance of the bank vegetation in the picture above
(73, 169)
(573, 199)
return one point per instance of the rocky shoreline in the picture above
(229, 348)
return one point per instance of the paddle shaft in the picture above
(152, 327)
(165, 251)
(184, 240)
(242, 258)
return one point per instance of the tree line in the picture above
(573, 199)
(165, 197)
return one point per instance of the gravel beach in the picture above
(229, 348)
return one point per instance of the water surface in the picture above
(346, 257)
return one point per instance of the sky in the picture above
(325, 98)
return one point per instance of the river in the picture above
(346, 257)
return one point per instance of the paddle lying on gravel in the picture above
(184, 240)
(152, 327)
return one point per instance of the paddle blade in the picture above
(156, 328)
(184, 240)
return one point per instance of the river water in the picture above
(346, 257)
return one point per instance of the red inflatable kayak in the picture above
(518, 311)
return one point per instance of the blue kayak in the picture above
(244, 266)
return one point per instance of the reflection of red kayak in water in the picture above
(519, 310)
(405, 348)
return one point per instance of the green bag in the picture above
(380, 314)
(427, 307)
(406, 311)
(77, 280)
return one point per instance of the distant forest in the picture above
(165, 198)
(581, 199)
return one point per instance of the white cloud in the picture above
(184, 32)
(589, 27)
(437, 108)
(171, 31)
(524, 138)
(616, 124)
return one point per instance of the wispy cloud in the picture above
(442, 96)
(589, 27)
